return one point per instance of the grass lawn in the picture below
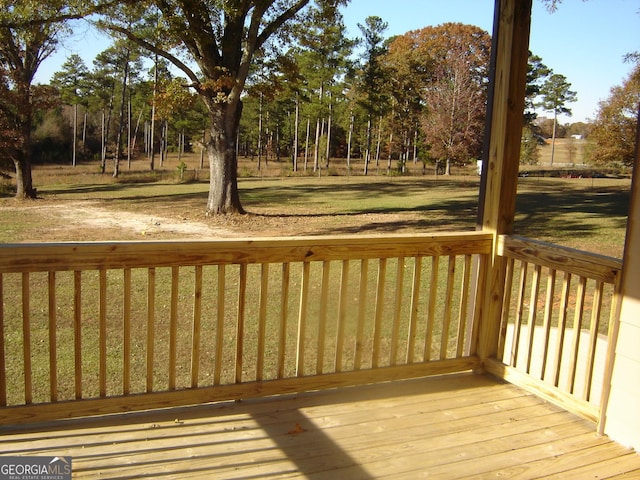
(81, 204)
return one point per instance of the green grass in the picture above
(587, 213)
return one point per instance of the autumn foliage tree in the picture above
(612, 138)
(447, 67)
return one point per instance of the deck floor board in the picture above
(450, 427)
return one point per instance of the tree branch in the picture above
(162, 53)
(272, 27)
(73, 14)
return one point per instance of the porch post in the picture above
(621, 416)
(502, 153)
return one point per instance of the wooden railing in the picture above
(93, 328)
(559, 306)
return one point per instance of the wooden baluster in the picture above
(446, 324)
(53, 344)
(302, 320)
(151, 313)
(478, 309)
(533, 306)
(77, 331)
(465, 290)
(413, 315)
(377, 329)
(103, 332)
(562, 327)
(220, 325)
(431, 315)
(397, 311)
(548, 314)
(322, 320)
(506, 308)
(342, 315)
(262, 319)
(126, 333)
(284, 316)
(577, 327)
(173, 326)
(517, 327)
(593, 338)
(196, 326)
(26, 339)
(242, 295)
(362, 309)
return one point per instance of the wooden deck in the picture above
(457, 426)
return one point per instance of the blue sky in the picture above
(583, 40)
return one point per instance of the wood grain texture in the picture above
(449, 427)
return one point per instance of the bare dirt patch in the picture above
(50, 221)
(89, 220)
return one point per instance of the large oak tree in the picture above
(214, 43)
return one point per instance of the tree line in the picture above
(270, 80)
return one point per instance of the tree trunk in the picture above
(316, 147)
(224, 197)
(260, 134)
(553, 136)
(329, 133)
(123, 98)
(84, 128)
(75, 133)
(349, 143)
(378, 142)
(204, 147)
(367, 154)
(152, 158)
(24, 181)
(103, 144)
(129, 134)
(164, 142)
(306, 145)
(295, 135)
(390, 152)
(107, 126)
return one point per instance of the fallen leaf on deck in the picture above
(297, 429)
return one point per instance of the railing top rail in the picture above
(106, 255)
(578, 262)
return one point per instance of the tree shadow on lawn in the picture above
(561, 214)
(97, 188)
(573, 213)
(357, 190)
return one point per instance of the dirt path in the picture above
(91, 216)
(90, 221)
